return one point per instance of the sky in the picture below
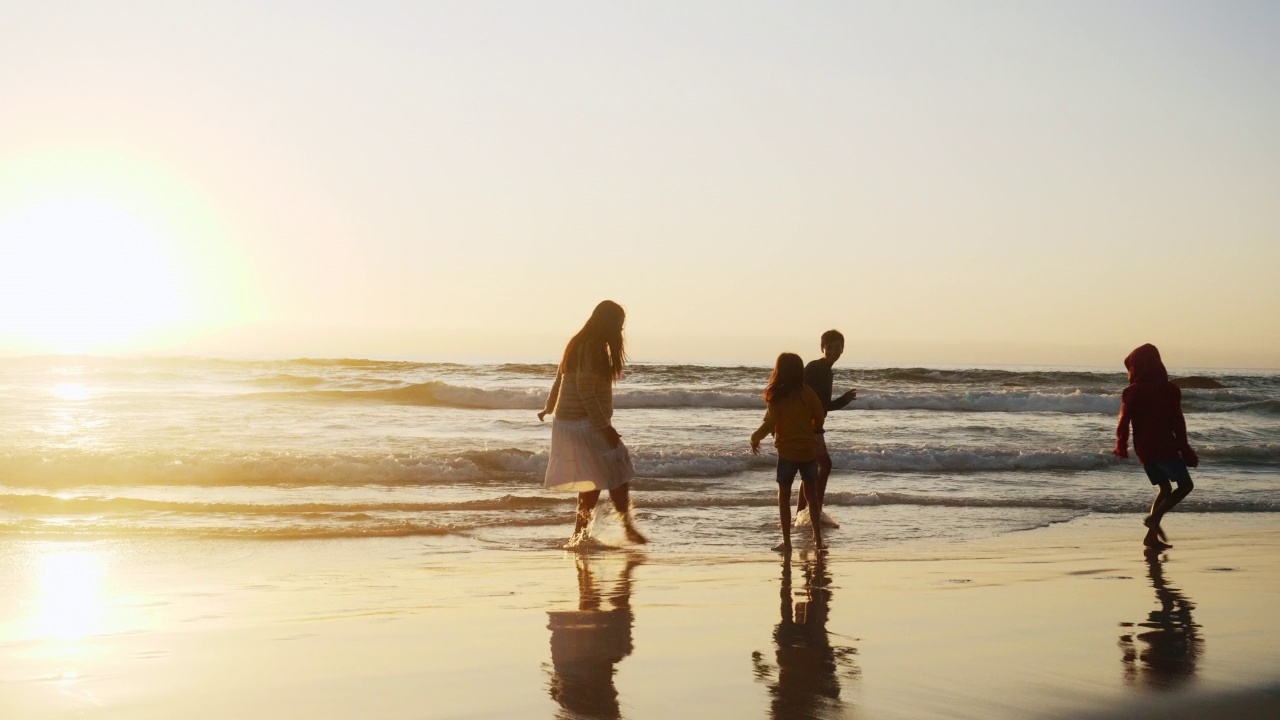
(948, 183)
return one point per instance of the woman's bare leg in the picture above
(621, 497)
(586, 505)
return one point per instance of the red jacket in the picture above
(1154, 406)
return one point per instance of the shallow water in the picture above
(361, 448)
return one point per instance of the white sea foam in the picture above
(1072, 401)
(967, 460)
(67, 468)
(1010, 401)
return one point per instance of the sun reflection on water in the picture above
(69, 594)
(70, 391)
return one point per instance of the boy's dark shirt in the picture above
(818, 376)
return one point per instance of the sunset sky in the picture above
(948, 183)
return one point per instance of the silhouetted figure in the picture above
(805, 682)
(587, 453)
(1153, 406)
(1162, 652)
(588, 642)
(818, 375)
(793, 418)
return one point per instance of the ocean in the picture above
(454, 453)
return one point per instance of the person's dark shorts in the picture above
(1174, 471)
(787, 471)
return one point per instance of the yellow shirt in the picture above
(792, 421)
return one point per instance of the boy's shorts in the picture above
(787, 471)
(1167, 471)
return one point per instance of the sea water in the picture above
(454, 453)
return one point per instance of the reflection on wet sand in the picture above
(1163, 653)
(588, 642)
(805, 681)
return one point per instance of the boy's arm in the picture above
(819, 413)
(1122, 430)
(1180, 431)
(821, 379)
(843, 400)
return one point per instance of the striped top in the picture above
(583, 393)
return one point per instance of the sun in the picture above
(101, 255)
(83, 275)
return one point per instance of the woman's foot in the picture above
(629, 529)
(783, 547)
(634, 536)
(577, 541)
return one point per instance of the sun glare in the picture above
(70, 391)
(100, 254)
(70, 594)
(84, 275)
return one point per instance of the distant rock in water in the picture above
(1198, 382)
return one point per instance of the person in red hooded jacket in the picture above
(1154, 407)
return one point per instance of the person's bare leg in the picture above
(621, 497)
(824, 472)
(815, 512)
(784, 515)
(1152, 521)
(1165, 501)
(586, 505)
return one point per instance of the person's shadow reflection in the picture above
(805, 681)
(1162, 652)
(588, 642)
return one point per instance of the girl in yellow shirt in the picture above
(794, 416)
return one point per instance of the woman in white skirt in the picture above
(587, 454)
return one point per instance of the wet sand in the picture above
(1067, 621)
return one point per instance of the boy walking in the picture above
(819, 377)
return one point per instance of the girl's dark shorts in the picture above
(787, 471)
(1159, 471)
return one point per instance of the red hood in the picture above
(1145, 366)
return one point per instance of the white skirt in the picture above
(581, 459)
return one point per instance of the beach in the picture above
(211, 538)
(1062, 621)
(325, 326)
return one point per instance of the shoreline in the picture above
(1054, 622)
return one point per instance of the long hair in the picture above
(787, 378)
(599, 342)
